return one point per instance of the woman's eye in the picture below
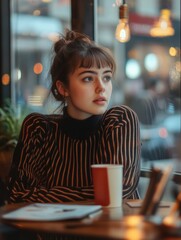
(87, 79)
(107, 78)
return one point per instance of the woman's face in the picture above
(89, 92)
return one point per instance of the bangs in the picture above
(95, 58)
(98, 59)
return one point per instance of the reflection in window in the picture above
(151, 62)
(150, 84)
(35, 26)
(133, 69)
(148, 75)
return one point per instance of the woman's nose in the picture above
(100, 86)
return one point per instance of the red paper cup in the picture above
(107, 180)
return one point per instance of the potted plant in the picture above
(10, 125)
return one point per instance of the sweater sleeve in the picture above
(28, 175)
(121, 145)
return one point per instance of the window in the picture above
(148, 68)
(148, 75)
(35, 26)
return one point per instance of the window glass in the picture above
(35, 26)
(148, 68)
(148, 74)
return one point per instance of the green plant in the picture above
(10, 125)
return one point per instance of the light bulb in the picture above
(122, 33)
(163, 27)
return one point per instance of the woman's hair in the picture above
(76, 50)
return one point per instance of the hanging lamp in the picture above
(163, 27)
(122, 33)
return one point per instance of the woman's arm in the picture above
(26, 187)
(121, 145)
(20, 193)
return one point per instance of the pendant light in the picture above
(122, 30)
(163, 27)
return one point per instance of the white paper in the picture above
(138, 203)
(51, 212)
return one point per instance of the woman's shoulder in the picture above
(119, 115)
(39, 117)
(119, 111)
(37, 123)
(38, 120)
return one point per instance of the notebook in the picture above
(51, 212)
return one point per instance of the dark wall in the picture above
(82, 16)
(5, 90)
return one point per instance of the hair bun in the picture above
(70, 37)
(73, 36)
(59, 44)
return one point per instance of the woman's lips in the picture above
(100, 101)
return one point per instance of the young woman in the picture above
(53, 157)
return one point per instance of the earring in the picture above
(64, 100)
(55, 92)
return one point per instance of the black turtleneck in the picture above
(80, 129)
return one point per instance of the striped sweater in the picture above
(52, 159)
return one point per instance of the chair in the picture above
(3, 195)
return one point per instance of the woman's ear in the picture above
(61, 88)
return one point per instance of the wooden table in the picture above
(110, 223)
